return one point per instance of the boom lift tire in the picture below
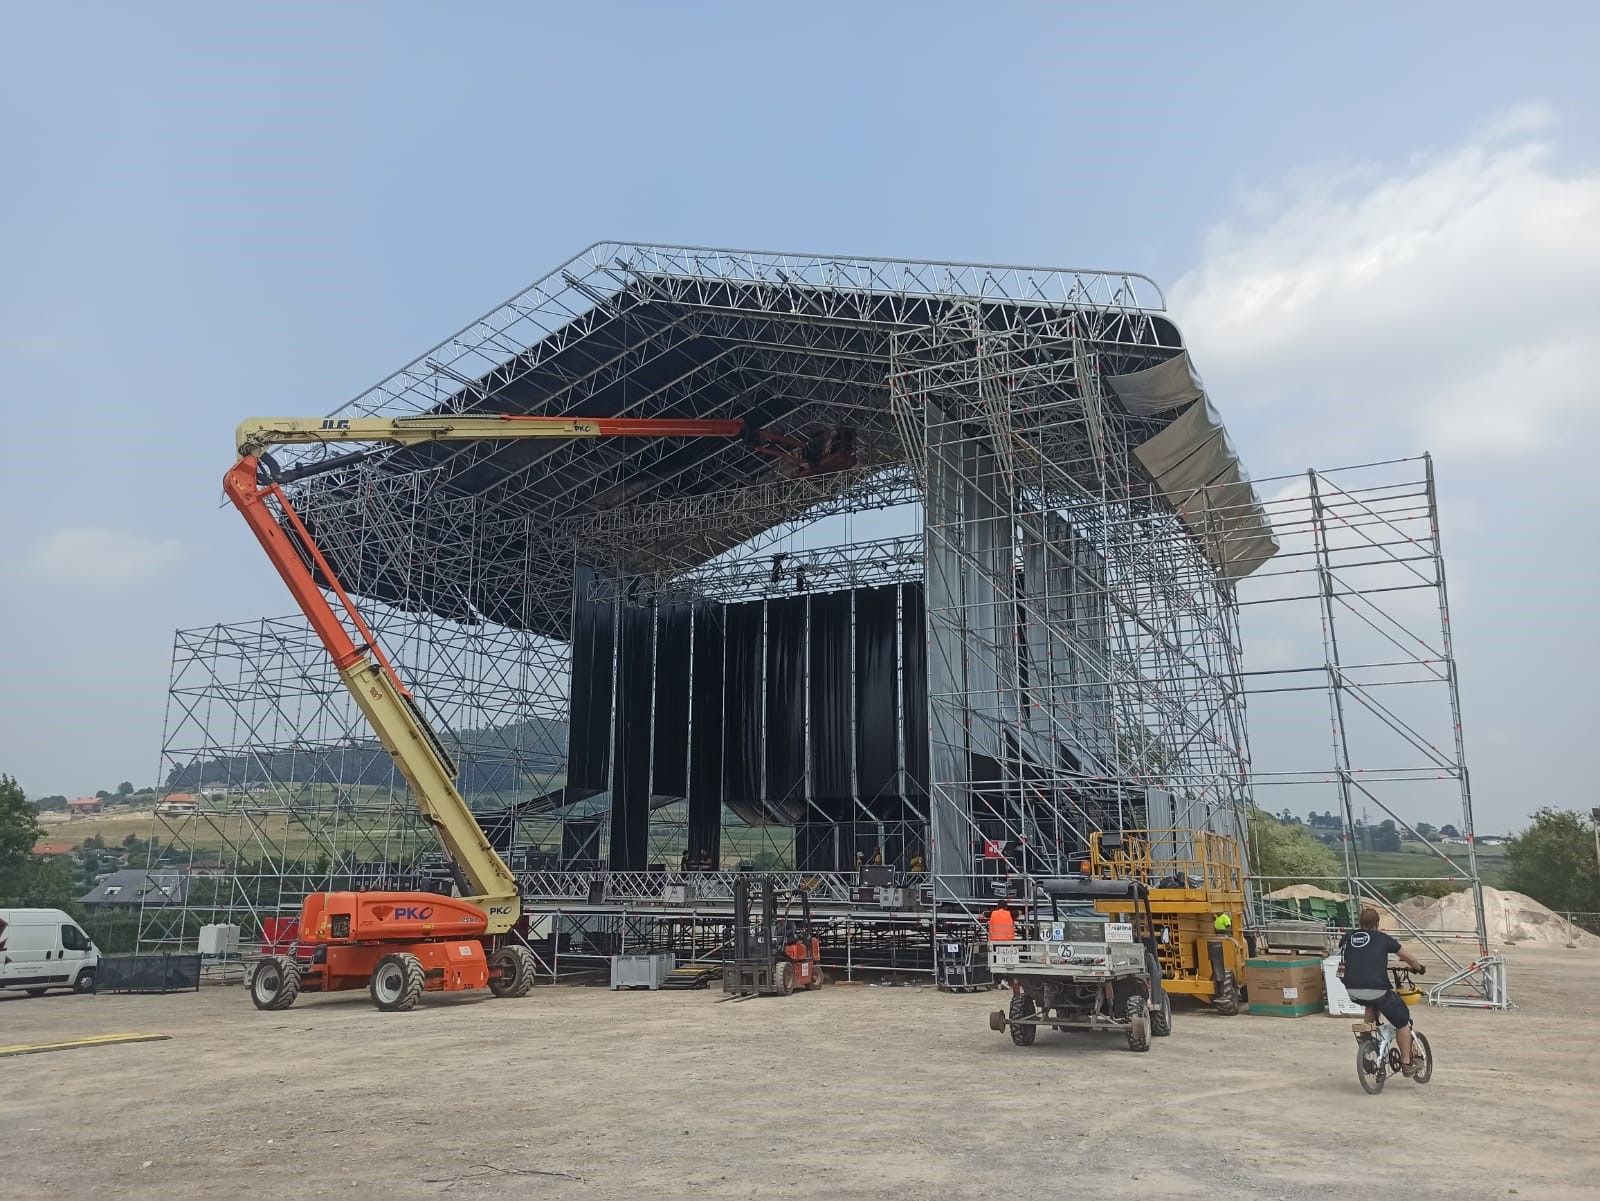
(1226, 1000)
(1161, 1016)
(1021, 1008)
(1138, 1024)
(275, 982)
(511, 971)
(397, 982)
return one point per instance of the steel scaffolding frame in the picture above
(1356, 600)
(1083, 648)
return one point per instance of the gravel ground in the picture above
(853, 1092)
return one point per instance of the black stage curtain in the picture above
(832, 704)
(914, 669)
(741, 768)
(589, 730)
(786, 698)
(877, 746)
(816, 848)
(670, 771)
(705, 756)
(630, 782)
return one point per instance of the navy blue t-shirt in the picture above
(1366, 958)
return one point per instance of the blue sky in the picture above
(211, 211)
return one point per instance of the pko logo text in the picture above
(415, 913)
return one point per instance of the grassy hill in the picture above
(1416, 861)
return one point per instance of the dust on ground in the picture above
(853, 1092)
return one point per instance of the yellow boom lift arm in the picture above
(363, 667)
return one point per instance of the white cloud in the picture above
(92, 554)
(1452, 303)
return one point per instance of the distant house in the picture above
(52, 849)
(135, 887)
(84, 806)
(178, 804)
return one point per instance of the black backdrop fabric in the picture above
(832, 701)
(914, 675)
(877, 683)
(630, 783)
(712, 701)
(705, 752)
(741, 767)
(786, 698)
(589, 729)
(669, 773)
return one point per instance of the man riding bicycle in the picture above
(1365, 972)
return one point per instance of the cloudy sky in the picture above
(1381, 235)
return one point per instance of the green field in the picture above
(1416, 862)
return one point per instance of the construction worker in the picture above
(1002, 926)
(1222, 924)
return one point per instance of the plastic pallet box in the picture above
(640, 971)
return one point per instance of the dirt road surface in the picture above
(853, 1092)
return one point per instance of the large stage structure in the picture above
(1011, 620)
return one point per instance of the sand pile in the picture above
(1510, 917)
(1300, 892)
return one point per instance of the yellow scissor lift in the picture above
(1193, 876)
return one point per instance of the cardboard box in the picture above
(1284, 987)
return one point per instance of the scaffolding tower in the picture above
(1354, 680)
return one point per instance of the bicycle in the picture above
(1378, 1051)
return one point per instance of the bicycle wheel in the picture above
(1421, 1057)
(1369, 1066)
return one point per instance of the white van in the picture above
(41, 949)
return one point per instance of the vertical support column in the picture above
(950, 823)
(1455, 713)
(1335, 678)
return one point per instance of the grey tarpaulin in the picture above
(1193, 462)
(1159, 389)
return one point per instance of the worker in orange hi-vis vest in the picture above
(1002, 926)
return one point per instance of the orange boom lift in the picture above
(399, 945)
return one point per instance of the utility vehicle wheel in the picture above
(1022, 1008)
(785, 979)
(1138, 1024)
(275, 983)
(1226, 999)
(511, 971)
(396, 982)
(1161, 1016)
(85, 981)
(1123, 991)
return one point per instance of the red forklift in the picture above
(775, 954)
